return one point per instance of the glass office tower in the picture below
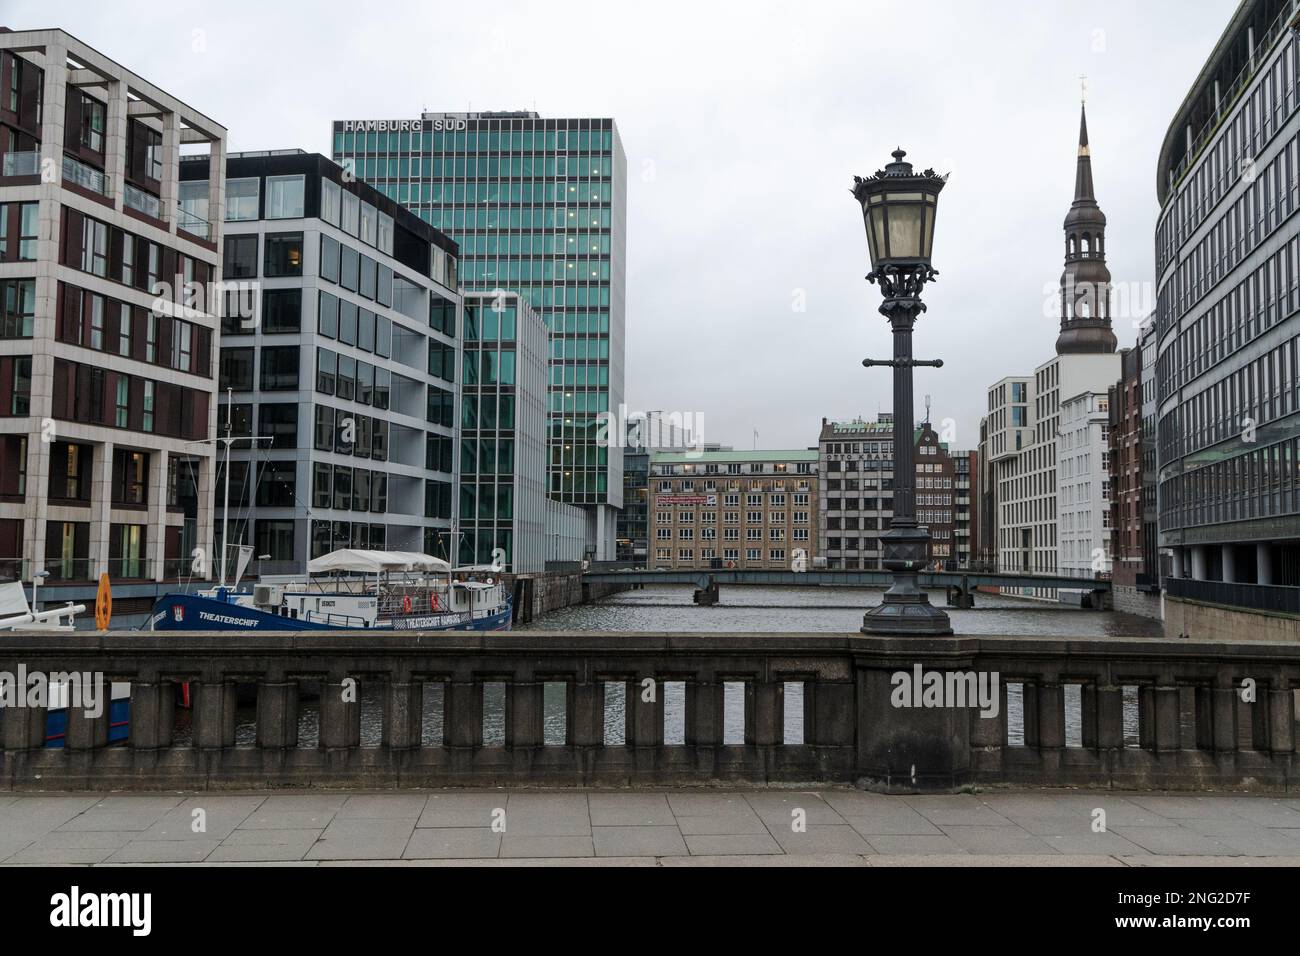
(539, 207)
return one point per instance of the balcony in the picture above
(26, 163)
(186, 221)
(1257, 597)
(143, 202)
(87, 177)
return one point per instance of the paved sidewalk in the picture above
(649, 828)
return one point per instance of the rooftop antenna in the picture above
(927, 409)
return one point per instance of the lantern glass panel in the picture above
(905, 230)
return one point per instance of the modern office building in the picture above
(855, 501)
(341, 340)
(503, 434)
(1008, 430)
(539, 207)
(1025, 467)
(634, 518)
(108, 332)
(748, 510)
(1135, 579)
(966, 505)
(855, 494)
(1083, 500)
(1228, 331)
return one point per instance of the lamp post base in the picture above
(906, 614)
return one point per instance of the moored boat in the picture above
(344, 590)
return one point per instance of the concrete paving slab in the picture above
(955, 810)
(638, 841)
(452, 843)
(1091, 844)
(220, 816)
(911, 844)
(982, 860)
(1000, 840)
(383, 806)
(822, 838)
(694, 804)
(899, 820)
(164, 851)
(731, 824)
(1173, 841)
(516, 845)
(777, 809)
(737, 844)
(810, 859)
(461, 809)
(362, 839)
(630, 809)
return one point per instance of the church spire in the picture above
(1083, 171)
(1085, 281)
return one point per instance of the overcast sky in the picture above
(744, 125)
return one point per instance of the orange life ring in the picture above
(433, 601)
(406, 604)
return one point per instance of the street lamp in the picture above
(37, 578)
(898, 209)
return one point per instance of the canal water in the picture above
(822, 610)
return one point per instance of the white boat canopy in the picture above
(375, 562)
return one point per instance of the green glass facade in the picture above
(538, 207)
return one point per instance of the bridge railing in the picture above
(366, 709)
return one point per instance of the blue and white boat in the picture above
(348, 590)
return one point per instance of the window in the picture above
(367, 285)
(283, 254)
(241, 258)
(182, 346)
(21, 403)
(122, 403)
(18, 305)
(92, 124)
(124, 330)
(329, 258)
(96, 322)
(278, 422)
(241, 199)
(274, 538)
(351, 213)
(281, 310)
(346, 380)
(327, 322)
(327, 367)
(146, 419)
(151, 343)
(94, 247)
(330, 201)
(285, 197)
(366, 330)
(324, 432)
(279, 368)
(347, 322)
(236, 369)
(130, 477)
(385, 238)
(368, 223)
(349, 271)
(383, 336)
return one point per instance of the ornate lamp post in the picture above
(898, 208)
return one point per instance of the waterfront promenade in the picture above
(676, 827)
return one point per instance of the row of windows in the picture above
(1260, 483)
(1261, 300)
(728, 554)
(94, 321)
(478, 246)
(351, 379)
(327, 536)
(352, 325)
(347, 433)
(112, 253)
(1234, 407)
(1241, 138)
(343, 488)
(486, 501)
(475, 140)
(859, 504)
(550, 218)
(283, 256)
(729, 534)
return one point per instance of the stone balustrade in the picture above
(652, 709)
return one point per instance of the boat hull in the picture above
(193, 612)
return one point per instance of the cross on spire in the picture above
(1083, 87)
